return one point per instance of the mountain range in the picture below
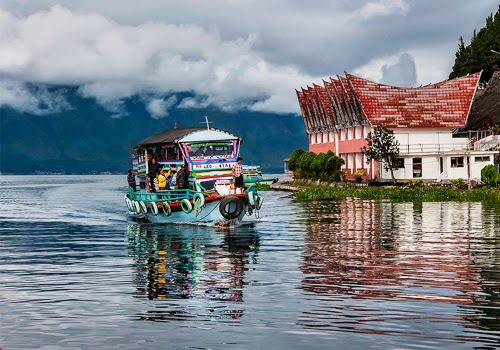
(89, 139)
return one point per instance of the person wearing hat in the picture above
(238, 175)
(182, 177)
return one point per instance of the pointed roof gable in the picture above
(445, 104)
(352, 100)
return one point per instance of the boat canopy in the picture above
(187, 134)
(209, 135)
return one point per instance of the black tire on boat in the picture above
(186, 206)
(166, 208)
(154, 208)
(230, 207)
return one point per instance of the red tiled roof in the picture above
(325, 100)
(444, 104)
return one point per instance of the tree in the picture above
(477, 55)
(382, 147)
(292, 163)
(309, 165)
(490, 175)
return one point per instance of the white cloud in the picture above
(229, 54)
(158, 107)
(39, 100)
(384, 8)
(402, 73)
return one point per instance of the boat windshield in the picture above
(210, 150)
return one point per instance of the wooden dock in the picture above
(280, 186)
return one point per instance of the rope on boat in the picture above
(208, 213)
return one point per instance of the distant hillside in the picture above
(485, 110)
(88, 139)
(477, 56)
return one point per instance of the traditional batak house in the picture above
(339, 114)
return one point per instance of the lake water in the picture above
(349, 274)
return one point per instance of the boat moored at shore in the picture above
(253, 175)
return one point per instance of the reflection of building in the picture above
(179, 265)
(388, 244)
(339, 114)
(360, 253)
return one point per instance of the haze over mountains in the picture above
(89, 139)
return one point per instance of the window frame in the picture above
(457, 162)
(417, 166)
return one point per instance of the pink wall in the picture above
(351, 146)
(322, 147)
(345, 147)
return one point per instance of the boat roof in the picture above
(186, 134)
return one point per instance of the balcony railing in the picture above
(435, 148)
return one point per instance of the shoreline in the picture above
(307, 191)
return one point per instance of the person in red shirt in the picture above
(238, 175)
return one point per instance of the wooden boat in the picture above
(253, 175)
(209, 155)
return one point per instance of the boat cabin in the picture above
(209, 155)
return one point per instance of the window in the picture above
(482, 159)
(358, 130)
(457, 162)
(210, 150)
(350, 133)
(417, 167)
(342, 134)
(350, 160)
(401, 163)
(359, 163)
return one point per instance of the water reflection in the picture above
(389, 268)
(179, 262)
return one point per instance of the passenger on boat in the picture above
(162, 180)
(153, 170)
(172, 179)
(131, 180)
(239, 182)
(182, 177)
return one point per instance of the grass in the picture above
(401, 194)
(263, 187)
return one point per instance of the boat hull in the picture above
(218, 210)
(209, 213)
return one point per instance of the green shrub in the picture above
(321, 166)
(416, 183)
(458, 182)
(399, 194)
(490, 175)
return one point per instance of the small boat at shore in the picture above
(209, 155)
(253, 175)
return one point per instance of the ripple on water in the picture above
(336, 274)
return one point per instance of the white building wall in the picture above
(350, 162)
(478, 164)
(428, 140)
(359, 162)
(457, 172)
(431, 166)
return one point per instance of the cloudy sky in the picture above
(232, 54)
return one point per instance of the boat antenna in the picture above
(207, 122)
